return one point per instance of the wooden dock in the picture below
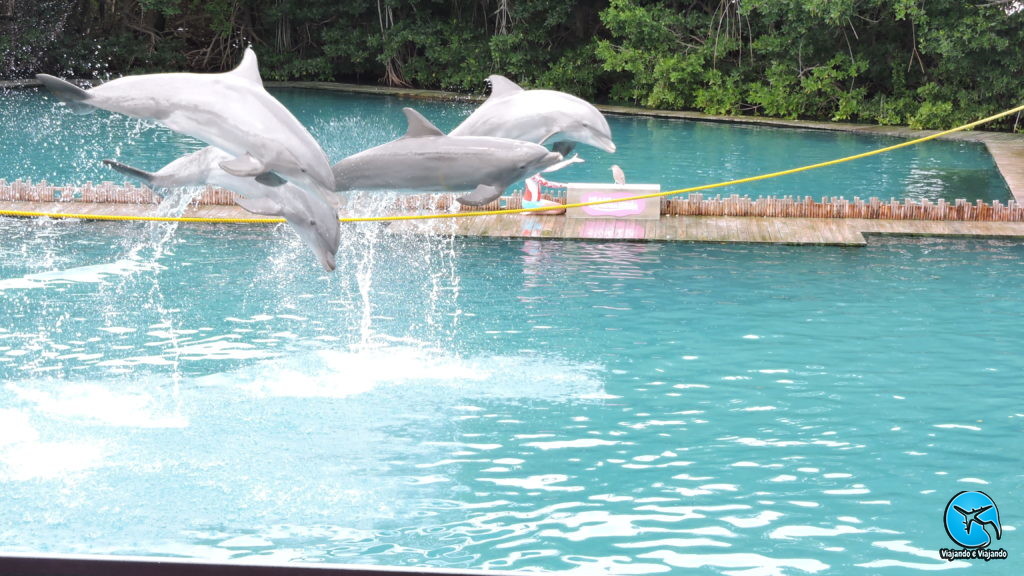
(715, 229)
(719, 229)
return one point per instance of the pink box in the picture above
(636, 209)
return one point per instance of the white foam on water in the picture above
(96, 273)
(49, 460)
(346, 373)
(98, 403)
(221, 349)
(24, 457)
(15, 428)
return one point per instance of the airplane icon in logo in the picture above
(971, 517)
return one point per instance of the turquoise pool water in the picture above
(53, 144)
(614, 408)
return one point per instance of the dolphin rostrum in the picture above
(426, 160)
(229, 110)
(313, 220)
(539, 116)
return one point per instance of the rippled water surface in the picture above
(51, 143)
(601, 407)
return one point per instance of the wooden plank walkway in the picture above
(717, 229)
(817, 231)
(1008, 153)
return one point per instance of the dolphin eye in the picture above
(522, 166)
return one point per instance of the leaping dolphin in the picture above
(539, 116)
(427, 160)
(229, 110)
(313, 220)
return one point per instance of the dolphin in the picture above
(426, 160)
(539, 116)
(315, 221)
(229, 110)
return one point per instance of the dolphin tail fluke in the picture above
(565, 162)
(147, 177)
(483, 194)
(74, 97)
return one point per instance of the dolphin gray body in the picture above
(426, 160)
(313, 220)
(539, 116)
(229, 110)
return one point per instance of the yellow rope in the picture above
(536, 209)
(116, 217)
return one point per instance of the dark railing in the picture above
(71, 565)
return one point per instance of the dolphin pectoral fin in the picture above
(263, 206)
(74, 97)
(249, 68)
(147, 177)
(244, 166)
(549, 136)
(564, 147)
(419, 127)
(502, 87)
(270, 179)
(483, 194)
(555, 167)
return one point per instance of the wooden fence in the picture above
(872, 208)
(105, 192)
(692, 205)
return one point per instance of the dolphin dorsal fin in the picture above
(249, 68)
(419, 127)
(502, 87)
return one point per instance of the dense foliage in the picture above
(928, 64)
